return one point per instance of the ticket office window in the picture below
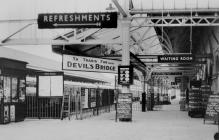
(12, 89)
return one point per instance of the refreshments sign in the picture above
(77, 20)
(175, 58)
(81, 63)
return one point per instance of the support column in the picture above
(143, 103)
(126, 22)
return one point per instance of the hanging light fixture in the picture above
(110, 8)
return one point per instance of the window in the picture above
(31, 86)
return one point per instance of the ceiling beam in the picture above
(41, 41)
(119, 7)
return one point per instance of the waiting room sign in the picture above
(175, 58)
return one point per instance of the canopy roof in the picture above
(37, 63)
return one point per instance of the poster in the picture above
(22, 90)
(84, 97)
(7, 89)
(14, 85)
(213, 102)
(12, 113)
(124, 106)
(1, 88)
(92, 98)
(6, 114)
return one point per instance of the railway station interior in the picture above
(153, 73)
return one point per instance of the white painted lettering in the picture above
(77, 18)
(102, 17)
(84, 17)
(71, 18)
(90, 17)
(108, 17)
(60, 18)
(96, 17)
(66, 18)
(55, 18)
(50, 18)
(45, 18)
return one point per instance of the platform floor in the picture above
(166, 124)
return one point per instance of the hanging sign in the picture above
(77, 20)
(125, 75)
(166, 73)
(82, 63)
(175, 58)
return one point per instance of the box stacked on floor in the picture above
(195, 103)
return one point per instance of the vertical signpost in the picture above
(124, 104)
(125, 77)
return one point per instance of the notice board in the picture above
(124, 106)
(211, 114)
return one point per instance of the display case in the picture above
(206, 92)
(195, 103)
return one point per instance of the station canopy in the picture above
(24, 35)
(104, 43)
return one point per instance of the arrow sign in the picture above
(77, 20)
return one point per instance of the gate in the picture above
(43, 107)
(50, 107)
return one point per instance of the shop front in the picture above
(12, 90)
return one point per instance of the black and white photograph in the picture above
(109, 70)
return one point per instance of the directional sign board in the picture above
(82, 63)
(77, 20)
(165, 73)
(175, 58)
(125, 75)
